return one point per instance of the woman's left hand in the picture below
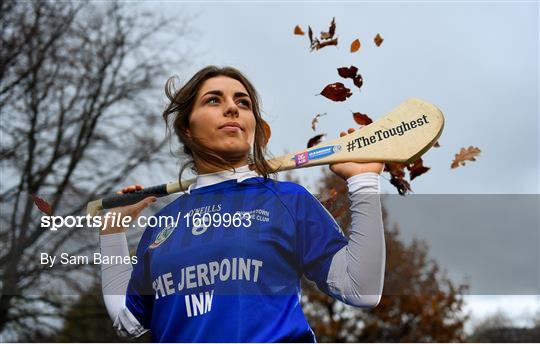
(348, 169)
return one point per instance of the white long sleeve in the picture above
(114, 283)
(356, 273)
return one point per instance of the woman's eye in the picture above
(245, 103)
(212, 100)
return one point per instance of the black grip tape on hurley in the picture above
(134, 197)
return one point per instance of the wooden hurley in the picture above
(402, 135)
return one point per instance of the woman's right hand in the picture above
(133, 211)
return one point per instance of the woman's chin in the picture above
(234, 153)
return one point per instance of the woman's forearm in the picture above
(356, 273)
(114, 283)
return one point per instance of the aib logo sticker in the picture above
(317, 153)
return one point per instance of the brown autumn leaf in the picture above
(358, 81)
(336, 92)
(331, 30)
(326, 38)
(378, 40)
(401, 185)
(315, 120)
(298, 31)
(347, 72)
(267, 131)
(362, 119)
(397, 175)
(395, 168)
(42, 205)
(465, 154)
(417, 168)
(319, 45)
(436, 145)
(351, 73)
(315, 140)
(355, 45)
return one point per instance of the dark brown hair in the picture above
(178, 113)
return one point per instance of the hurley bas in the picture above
(67, 259)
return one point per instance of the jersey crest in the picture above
(162, 236)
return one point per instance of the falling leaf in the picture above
(395, 168)
(358, 81)
(315, 140)
(378, 40)
(315, 120)
(362, 119)
(42, 205)
(319, 45)
(397, 175)
(326, 38)
(401, 185)
(351, 73)
(417, 168)
(331, 30)
(298, 31)
(436, 145)
(267, 131)
(465, 154)
(347, 72)
(355, 45)
(336, 92)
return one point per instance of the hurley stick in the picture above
(402, 135)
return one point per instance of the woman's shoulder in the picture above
(283, 186)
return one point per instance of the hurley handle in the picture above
(134, 197)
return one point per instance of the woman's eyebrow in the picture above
(219, 93)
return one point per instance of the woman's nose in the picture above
(231, 109)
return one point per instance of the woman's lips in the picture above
(231, 128)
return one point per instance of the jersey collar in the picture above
(241, 174)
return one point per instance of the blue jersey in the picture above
(230, 270)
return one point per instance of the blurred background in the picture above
(81, 99)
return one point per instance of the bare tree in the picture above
(78, 116)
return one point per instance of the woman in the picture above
(239, 280)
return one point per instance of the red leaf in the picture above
(42, 205)
(417, 168)
(336, 92)
(397, 173)
(378, 40)
(298, 31)
(401, 185)
(362, 119)
(358, 81)
(351, 73)
(347, 72)
(315, 140)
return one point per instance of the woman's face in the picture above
(222, 119)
